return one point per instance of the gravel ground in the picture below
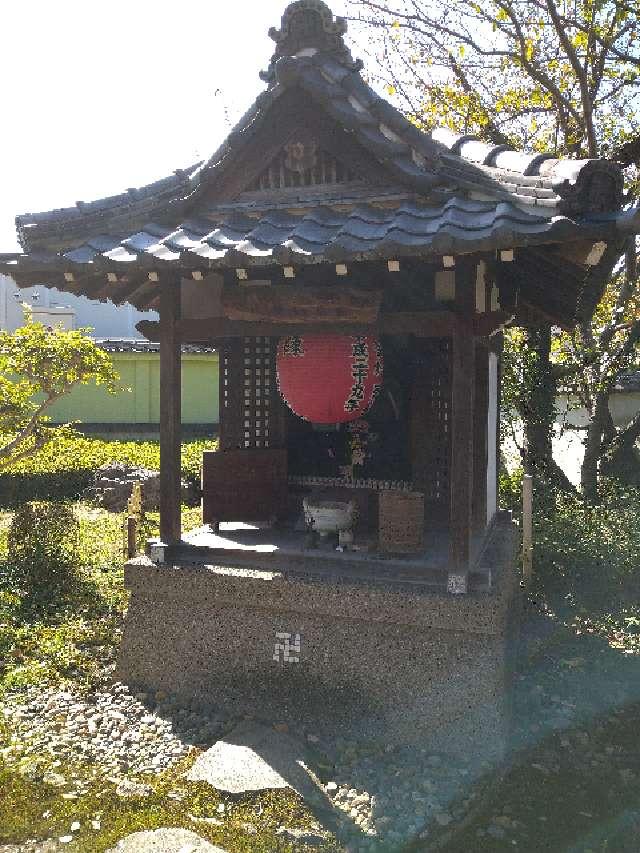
(108, 731)
(393, 795)
(383, 795)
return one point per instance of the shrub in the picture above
(510, 490)
(589, 556)
(64, 469)
(16, 489)
(43, 550)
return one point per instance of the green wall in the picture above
(140, 371)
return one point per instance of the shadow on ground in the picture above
(573, 780)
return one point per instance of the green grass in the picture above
(72, 637)
(31, 808)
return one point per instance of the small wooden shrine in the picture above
(329, 229)
(327, 213)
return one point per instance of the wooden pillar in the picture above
(462, 406)
(170, 414)
(493, 426)
(480, 442)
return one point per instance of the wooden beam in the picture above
(119, 291)
(488, 324)
(426, 324)
(582, 252)
(170, 415)
(462, 404)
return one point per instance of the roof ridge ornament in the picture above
(308, 26)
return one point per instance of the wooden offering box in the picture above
(401, 522)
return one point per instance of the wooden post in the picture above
(462, 403)
(480, 443)
(527, 528)
(170, 415)
(132, 536)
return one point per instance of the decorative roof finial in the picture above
(309, 25)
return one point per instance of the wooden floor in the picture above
(286, 550)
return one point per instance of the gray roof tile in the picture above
(367, 231)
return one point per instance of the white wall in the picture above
(623, 405)
(104, 319)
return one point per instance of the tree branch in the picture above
(28, 430)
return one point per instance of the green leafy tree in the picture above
(38, 366)
(542, 75)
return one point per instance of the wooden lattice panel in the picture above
(258, 384)
(401, 522)
(323, 169)
(251, 409)
(231, 395)
(430, 427)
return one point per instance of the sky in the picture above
(96, 97)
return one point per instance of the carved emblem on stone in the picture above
(300, 156)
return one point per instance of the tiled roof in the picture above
(429, 194)
(145, 346)
(434, 165)
(323, 233)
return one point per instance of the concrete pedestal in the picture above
(394, 659)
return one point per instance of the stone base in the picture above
(386, 659)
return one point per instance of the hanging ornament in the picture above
(329, 379)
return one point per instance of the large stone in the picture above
(253, 757)
(165, 841)
(114, 482)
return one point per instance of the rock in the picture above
(164, 841)
(252, 757)
(114, 481)
(56, 779)
(128, 788)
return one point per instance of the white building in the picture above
(51, 307)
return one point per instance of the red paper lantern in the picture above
(329, 379)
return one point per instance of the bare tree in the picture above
(546, 76)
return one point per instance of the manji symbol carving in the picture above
(457, 584)
(287, 649)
